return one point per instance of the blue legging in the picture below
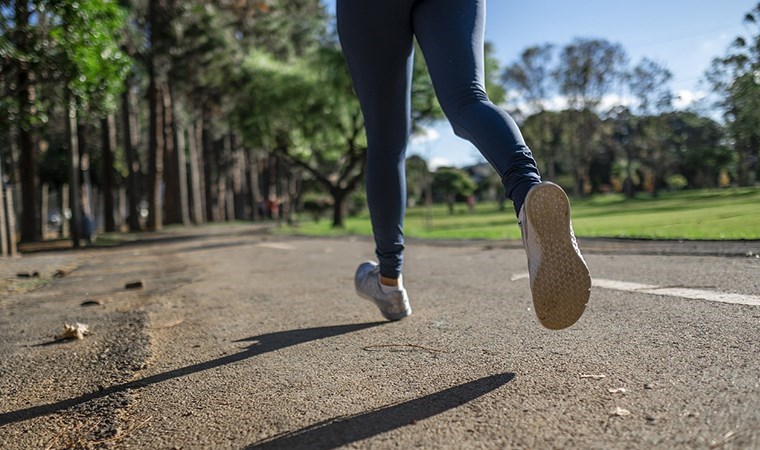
(377, 40)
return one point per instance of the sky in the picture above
(683, 35)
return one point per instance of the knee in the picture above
(456, 105)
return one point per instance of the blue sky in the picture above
(684, 35)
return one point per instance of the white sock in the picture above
(389, 289)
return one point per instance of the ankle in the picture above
(391, 282)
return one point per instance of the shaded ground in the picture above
(243, 340)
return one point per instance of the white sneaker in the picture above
(393, 305)
(559, 278)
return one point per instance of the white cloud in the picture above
(425, 136)
(437, 161)
(716, 44)
(685, 98)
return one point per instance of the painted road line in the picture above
(682, 292)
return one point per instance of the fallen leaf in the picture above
(76, 331)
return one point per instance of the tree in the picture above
(735, 79)
(649, 85)
(698, 144)
(306, 111)
(545, 132)
(530, 77)
(587, 72)
(450, 182)
(417, 179)
(72, 46)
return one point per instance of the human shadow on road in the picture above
(264, 343)
(339, 431)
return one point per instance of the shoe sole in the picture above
(562, 283)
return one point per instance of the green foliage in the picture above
(417, 177)
(425, 106)
(450, 182)
(530, 77)
(677, 182)
(587, 70)
(87, 35)
(648, 82)
(735, 79)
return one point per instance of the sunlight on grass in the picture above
(699, 215)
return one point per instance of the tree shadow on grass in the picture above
(264, 343)
(345, 430)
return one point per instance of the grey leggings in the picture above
(377, 40)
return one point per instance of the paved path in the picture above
(241, 339)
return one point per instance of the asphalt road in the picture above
(240, 339)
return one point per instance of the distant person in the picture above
(377, 40)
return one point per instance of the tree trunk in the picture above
(578, 185)
(237, 176)
(133, 166)
(196, 188)
(252, 177)
(11, 217)
(44, 197)
(226, 210)
(155, 151)
(208, 147)
(65, 225)
(28, 160)
(3, 229)
(108, 130)
(172, 203)
(628, 183)
(87, 206)
(340, 207)
(74, 200)
(182, 166)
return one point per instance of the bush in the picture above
(676, 182)
(316, 206)
(357, 203)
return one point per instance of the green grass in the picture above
(699, 215)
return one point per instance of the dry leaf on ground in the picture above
(76, 331)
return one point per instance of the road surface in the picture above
(243, 339)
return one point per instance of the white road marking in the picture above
(682, 292)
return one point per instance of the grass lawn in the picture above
(702, 214)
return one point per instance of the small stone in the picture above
(651, 419)
(34, 274)
(90, 303)
(648, 386)
(134, 285)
